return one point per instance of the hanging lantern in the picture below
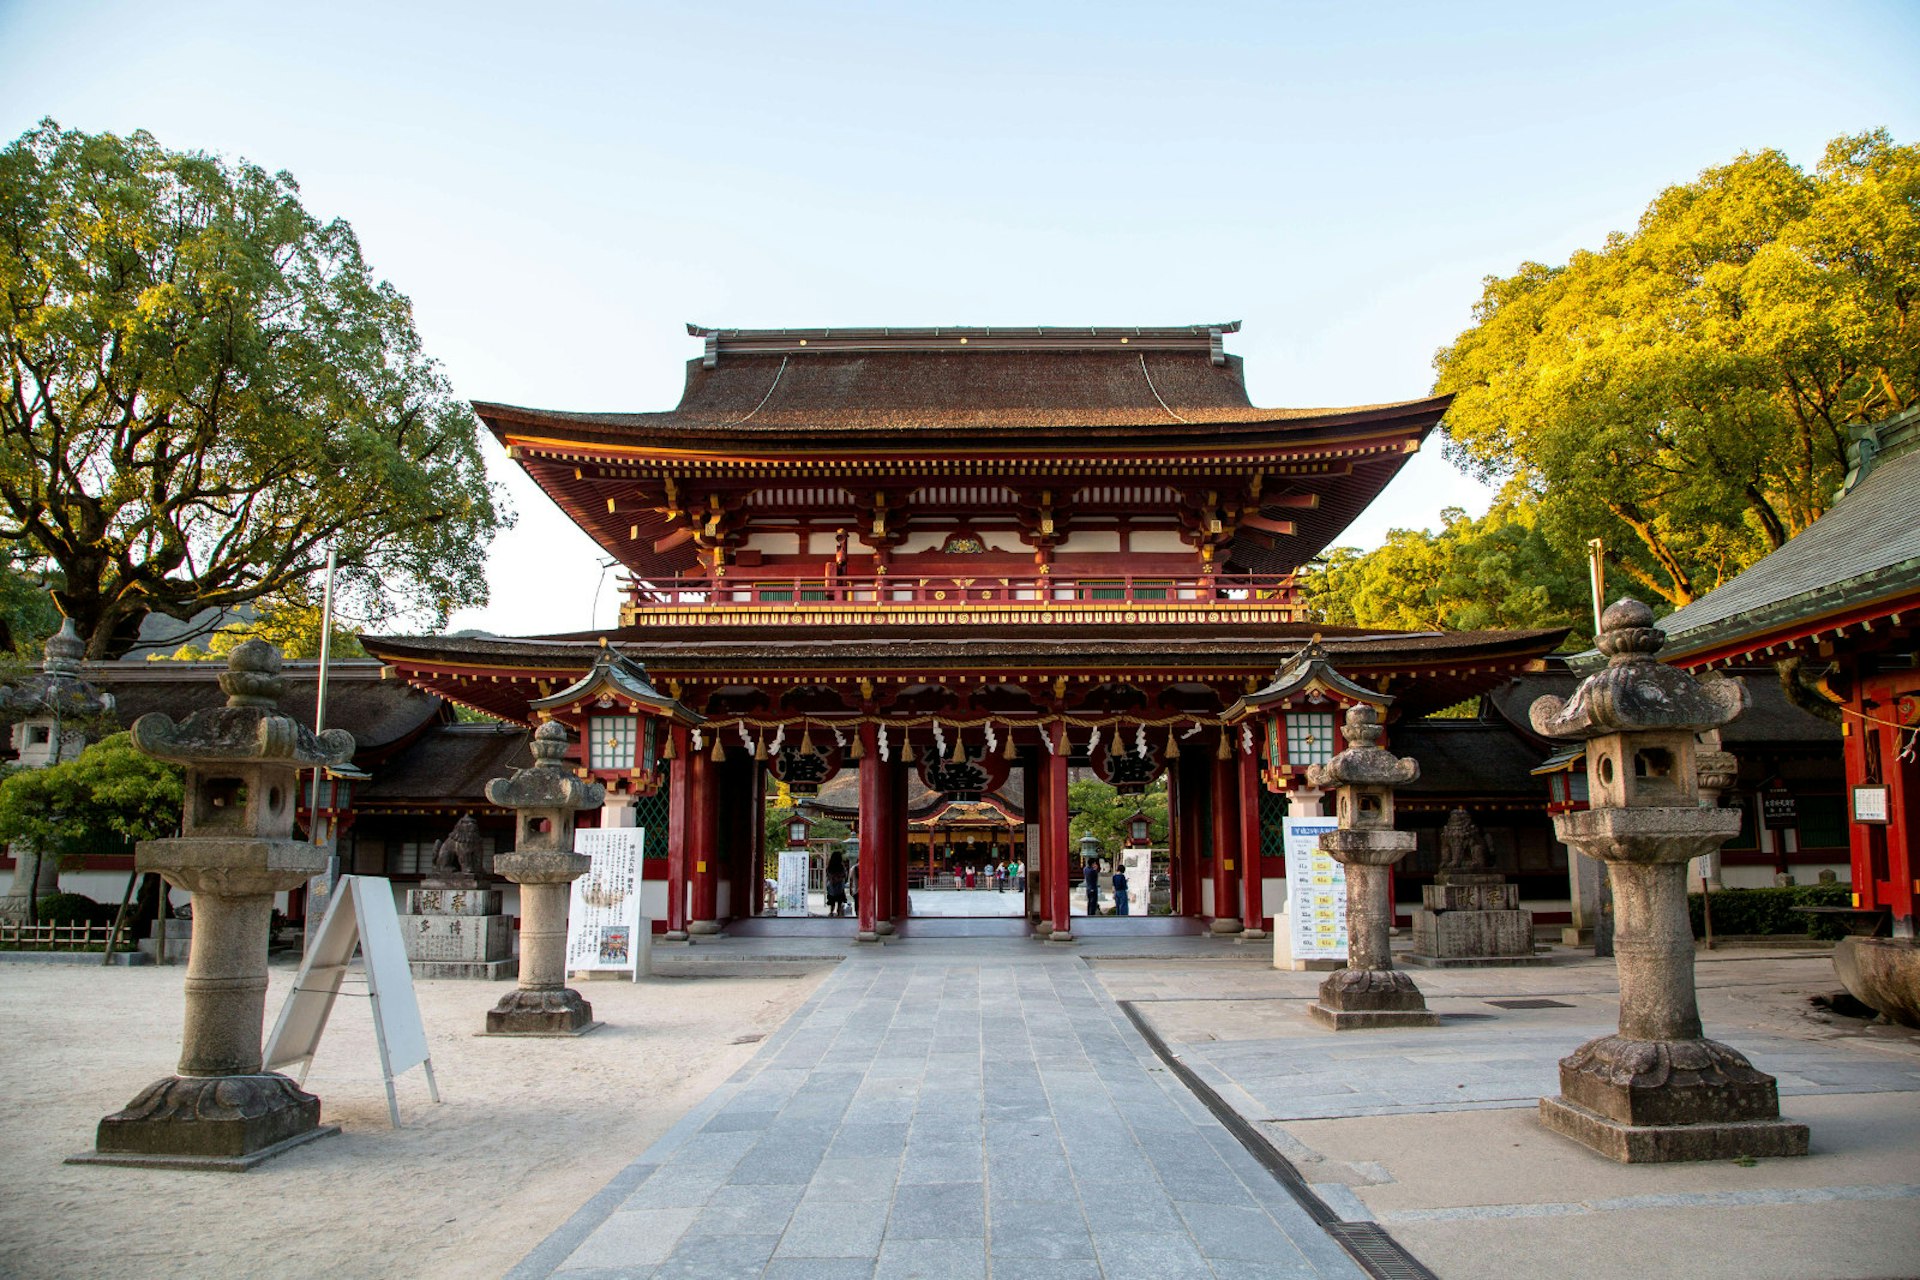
(1294, 721)
(625, 724)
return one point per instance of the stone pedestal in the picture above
(543, 1005)
(1472, 919)
(1370, 993)
(179, 940)
(454, 929)
(220, 1110)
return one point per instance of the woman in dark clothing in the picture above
(836, 884)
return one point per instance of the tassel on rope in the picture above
(1006, 752)
(666, 751)
(806, 740)
(858, 750)
(1173, 746)
(959, 748)
(906, 747)
(759, 746)
(1226, 744)
(719, 750)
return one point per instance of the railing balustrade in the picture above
(1043, 591)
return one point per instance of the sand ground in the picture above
(526, 1132)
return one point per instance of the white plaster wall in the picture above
(1093, 542)
(1273, 894)
(1157, 540)
(778, 544)
(1206, 896)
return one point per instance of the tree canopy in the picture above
(1683, 392)
(101, 801)
(1497, 571)
(1098, 810)
(206, 385)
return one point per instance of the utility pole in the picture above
(1597, 571)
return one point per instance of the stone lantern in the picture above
(1369, 992)
(51, 706)
(1658, 1090)
(544, 799)
(235, 851)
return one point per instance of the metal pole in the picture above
(1598, 572)
(320, 712)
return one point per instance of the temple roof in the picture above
(792, 385)
(1435, 669)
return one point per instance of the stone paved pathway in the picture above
(939, 1113)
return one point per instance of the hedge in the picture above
(1758, 912)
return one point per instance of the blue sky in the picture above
(558, 192)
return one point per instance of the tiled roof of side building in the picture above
(1866, 548)
(378, 713)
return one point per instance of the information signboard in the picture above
(603, 919)
(1870, 804)
(791, 897)
(1316, 892)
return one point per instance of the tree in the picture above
(102, 801)
(206, 385)
(290, 624)
(27, 615)
(1098, 810)
(1683, 393)
(1497, 571)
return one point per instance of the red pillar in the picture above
(756, 859)
(703, 846)
(885, 873)
(679, 828)
(1226, 845)
(1252, 891)
(872, 830)
(1054, 838)
(897, 865)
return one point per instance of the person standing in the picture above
(836, 884)
(1090, 873)
(1121, 906)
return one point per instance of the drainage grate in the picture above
(1531, 1004)
(1376, 1251)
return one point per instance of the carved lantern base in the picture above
(223, 1123)
(1368, 999)
(1654, 1101)
(542, 1013)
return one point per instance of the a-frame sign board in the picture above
(360, 912)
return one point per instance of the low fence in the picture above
(53, 937)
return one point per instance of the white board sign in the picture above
(791, 897)
(603, 920)
(1316, 892)
(360, 914)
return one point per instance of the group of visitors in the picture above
(1090, 875)
(1001, 876)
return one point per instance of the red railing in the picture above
(1034, 591)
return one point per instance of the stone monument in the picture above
(454, 926)
(50, 706)
(1470, 916)
(1369, 992)
(235, 851)
(544, 799)
(1659, 1090)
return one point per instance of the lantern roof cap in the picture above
(250, 726)
(1635, 691)
(1364, 763)
(547, 783)
(58, 689)
(1303, 671)
(614, 675)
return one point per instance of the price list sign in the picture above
(1316, 892)
(603, 920)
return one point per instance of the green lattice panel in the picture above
(650, 812)
(1273, 832)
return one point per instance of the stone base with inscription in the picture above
(454, 929)
(1472, 919)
